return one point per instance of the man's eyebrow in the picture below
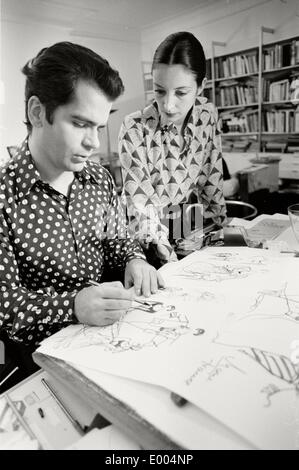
(88, 121)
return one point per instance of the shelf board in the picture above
(279, 103)
(281, 133)
(238, 134)
(234, 77)
(281, 69)
(248, 51)
(237, 106)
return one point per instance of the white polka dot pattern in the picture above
(50, 245)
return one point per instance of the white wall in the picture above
(236, 22)
(22, 41)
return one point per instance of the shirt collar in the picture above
(25, 170)
(27, 175)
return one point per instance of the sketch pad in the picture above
(221, 332)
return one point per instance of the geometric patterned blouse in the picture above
(157, 174)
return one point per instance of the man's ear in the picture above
(201, 87)
(36, 111)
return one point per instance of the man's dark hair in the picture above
(182, 48)
(53, 74)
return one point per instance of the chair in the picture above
(241, 209)
(12, 150)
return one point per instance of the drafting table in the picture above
(145, 412)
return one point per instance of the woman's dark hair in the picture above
(182, 48)
(53, 74)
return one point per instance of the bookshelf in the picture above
(256, 91)
(148, 86)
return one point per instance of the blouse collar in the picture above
(153, 118)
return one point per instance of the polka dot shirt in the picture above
(51, 245)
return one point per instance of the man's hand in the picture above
(144, 277)
(102, 305)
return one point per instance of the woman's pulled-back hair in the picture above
(182, 48)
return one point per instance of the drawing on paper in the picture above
(277, 365)
(225, 266)
(213, 367)
(134, 332)
(286, 304)
(212, 272)
(190, 296)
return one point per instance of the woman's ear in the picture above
(201, 87)
(35, 111)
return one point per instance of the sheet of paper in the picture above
(220, 333)
(109, 438)
(189, 427)
(263, 228)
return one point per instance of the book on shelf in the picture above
(281, 90)
(281, 55)
(208, 69)
(234, 93)
(234, 65)
(294, 54)
(281, 121)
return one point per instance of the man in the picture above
(61, 223)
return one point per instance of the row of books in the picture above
(286, 120)
(237, 94)
(242, 122)
(281, 55)
(281, 90)
(236, 65)
(274, 57)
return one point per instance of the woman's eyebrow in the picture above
(186, 87)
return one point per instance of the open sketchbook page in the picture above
(220, 334)
(189, 427)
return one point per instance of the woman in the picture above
(170, 152)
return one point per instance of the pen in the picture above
(7, 377)
(142, 302)
(20, 418)
(178, 400)
(75, 423)
(294, 253)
